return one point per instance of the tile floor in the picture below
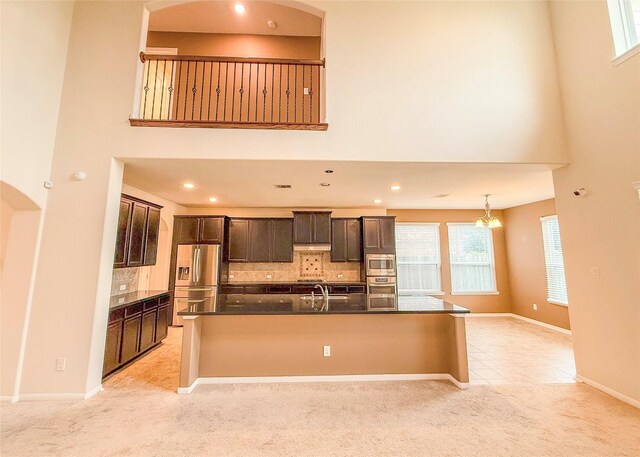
(506, 350)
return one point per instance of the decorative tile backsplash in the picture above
(305, 265)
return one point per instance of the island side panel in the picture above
(257, 346)
(458, 359)
(190, 356)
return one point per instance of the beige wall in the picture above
(525, 258)
(237, 45)
(34, 41)
(602, 117)
(508, 107)
(476, 303)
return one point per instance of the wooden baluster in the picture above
(202, 90)
(146, 89)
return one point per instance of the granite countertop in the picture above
(292, 304)
(130, 298)
(291, 283)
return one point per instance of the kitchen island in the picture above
(284, 338)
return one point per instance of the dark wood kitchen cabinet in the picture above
(379, 235)
(137, 235)
(134, 329)
(346, 240)
(311, 227)
(198, 229)
(260, 240)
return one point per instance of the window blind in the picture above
(418, 258)
(554, 261)
(472, 260)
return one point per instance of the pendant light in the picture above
(488, 220)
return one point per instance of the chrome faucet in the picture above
(325, 295)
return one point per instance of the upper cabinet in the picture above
(198, 229)
(379, 235)
(311, 227)
(346, 240)
(260, 240)
(137, 236)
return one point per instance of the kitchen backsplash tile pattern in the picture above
(305, 266)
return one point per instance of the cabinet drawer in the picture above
(279, 289)
(164, 300)
(356, 289)
(255, 289)
(150, 304)
(304, 289)
(226, 289)
(133, 310)
(116, 315)
(339, 289)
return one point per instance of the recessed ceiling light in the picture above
(188, 185)
(394, 187)
(282, 186)
(240, 9)
(440, 195)
(213, 199)
(377, 201)
(328, 171)
(271, 24)
(325, 184)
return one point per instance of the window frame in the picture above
(438, 264)
(625, 35)
(553, 301)
(491, 263)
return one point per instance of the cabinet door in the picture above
(153, 231)
(186, 230)
(282, 240)
(259, 240)
(131, 338)
(211, 230)
(122, 237)
(162, 322)
(112, 347)
(339, 240)
(303, 228)
(321, 228)
(238, 240)
(138, 234)
(148, 330)
(371, 229)
(388, 235)
(354, 240)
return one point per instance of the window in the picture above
(418, 258)
(625, 24)
(556, 283)
(472, 262)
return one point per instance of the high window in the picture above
(472, 260)
(625, 24)
(418, 257)
(556, 283)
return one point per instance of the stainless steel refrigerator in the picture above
(197, 273)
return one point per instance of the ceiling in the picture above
(250, 183)
(220, 17)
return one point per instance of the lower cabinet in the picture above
(133, 330)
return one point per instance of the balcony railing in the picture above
(230, 92)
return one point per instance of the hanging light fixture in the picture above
(488, 220)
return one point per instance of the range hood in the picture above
(312, 247)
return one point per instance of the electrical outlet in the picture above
(61, 364)
(306, 91)
(327, 351)
(595, 274)
(340, 276)
(535, 307)
(269, 276)
(123, 287)
(232, 276)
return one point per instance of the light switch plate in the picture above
(123, 287)
(327, 351)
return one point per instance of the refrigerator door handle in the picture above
(198, 266)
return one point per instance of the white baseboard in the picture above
(542, 324)
(527, 319)
(60, 397)
(8, 399)
(323, 378)
(609, 391)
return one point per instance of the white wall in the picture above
(406, 81)
(34, 41)
(602, 106)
